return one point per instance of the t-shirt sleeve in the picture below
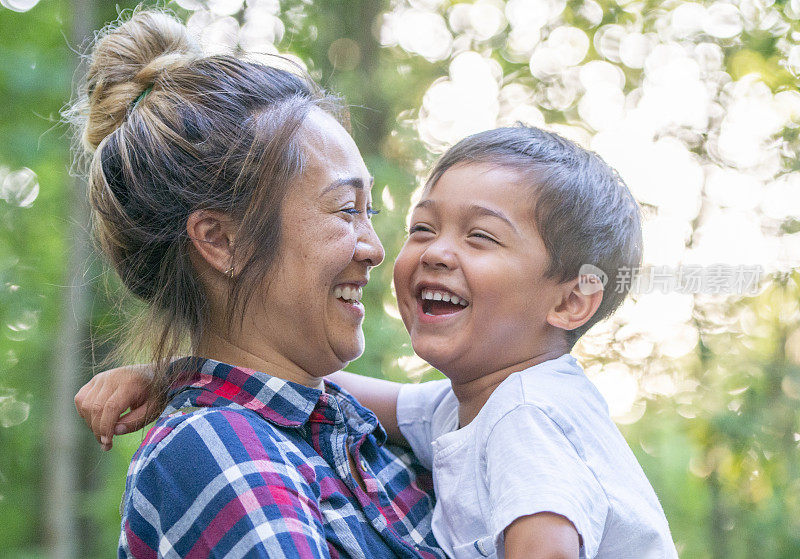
(214, 488)
(533, 467)
(416, 406)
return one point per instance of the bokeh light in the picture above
(418, 31)
(12, 410)
(465, 103)
(19, 5)
(19, 188)
(254, 28)
(697, 144)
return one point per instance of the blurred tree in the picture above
(71, 355)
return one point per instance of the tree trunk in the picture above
(70, 356)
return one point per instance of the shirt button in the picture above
(363, 464)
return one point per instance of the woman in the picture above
(228, 197)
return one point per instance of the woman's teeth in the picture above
(347, 293)
(446, 296)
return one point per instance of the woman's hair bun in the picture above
(127, 59)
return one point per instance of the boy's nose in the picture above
(438, 255)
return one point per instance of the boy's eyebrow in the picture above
(483, 210)
(474, 209)
(355, 182)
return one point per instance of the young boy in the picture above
(525, 458)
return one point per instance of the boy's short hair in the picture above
(582, 209)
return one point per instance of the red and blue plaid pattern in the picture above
(242, 464)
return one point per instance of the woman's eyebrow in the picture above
(355, 182)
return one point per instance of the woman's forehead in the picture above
(330, 154)
(321, 131)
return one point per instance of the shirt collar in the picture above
(284, 403)
(359, 419)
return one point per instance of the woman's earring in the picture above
(229, 271)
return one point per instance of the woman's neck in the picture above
(473, 394)
(265, 359)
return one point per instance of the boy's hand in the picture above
(102, 400)
(375, 394)
(542, 536)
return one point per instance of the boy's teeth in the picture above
(445, 296)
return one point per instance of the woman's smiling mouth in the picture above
(349, 295)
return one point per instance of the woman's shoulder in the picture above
(198, 467)
(214, 438)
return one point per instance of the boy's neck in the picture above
(473, 394)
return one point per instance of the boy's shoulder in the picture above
(557, 393)
(558, 387)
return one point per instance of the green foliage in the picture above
(723, 455)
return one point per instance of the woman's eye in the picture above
(356, 211)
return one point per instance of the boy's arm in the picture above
(378, 395)
(536, 477)
(542, 536)
(101, 401)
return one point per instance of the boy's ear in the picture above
(212, 235)
(581, 299)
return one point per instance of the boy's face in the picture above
(472, 235)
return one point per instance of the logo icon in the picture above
(591, 279)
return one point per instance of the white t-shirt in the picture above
(543, 442)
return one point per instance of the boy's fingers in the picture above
(80, 396)
(83, 396)
(88, 404)
(101, 401)
(113, 405)
(98, 406)
(132, 421)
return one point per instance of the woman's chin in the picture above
(350, 350)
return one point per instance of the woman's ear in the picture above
(581, 299)
(212, 233)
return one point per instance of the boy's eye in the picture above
(372, 211)
(419, 228)
(480, 235)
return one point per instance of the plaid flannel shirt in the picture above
(242, 464)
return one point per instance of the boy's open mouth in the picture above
(436, 302)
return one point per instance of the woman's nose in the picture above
(369, 248)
